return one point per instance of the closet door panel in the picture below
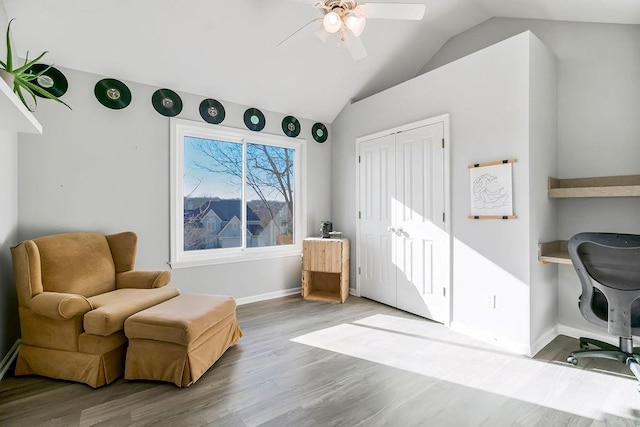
(377, 192)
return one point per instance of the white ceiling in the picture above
(227, 49)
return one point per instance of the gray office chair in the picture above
(608, 265)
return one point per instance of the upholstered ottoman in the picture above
(179, 339)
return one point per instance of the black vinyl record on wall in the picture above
(52, 80)
(112, 93)
(319, 132)
(212, 111)
(166, 102)
(254, 119)
(291, 126)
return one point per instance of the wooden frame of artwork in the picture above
(491, 190)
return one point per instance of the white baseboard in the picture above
(9, 358)
(544, 339)
(577, 333)
(539, 344)
(481, 335)
(268, 296)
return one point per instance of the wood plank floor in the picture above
(304, 363)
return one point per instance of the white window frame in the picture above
(179, 128)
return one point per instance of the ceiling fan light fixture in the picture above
(355, 23)
(332, 22)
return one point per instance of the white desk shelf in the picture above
(554, 252)
(14, 116)
(599, 186)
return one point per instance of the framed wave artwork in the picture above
(491, 190)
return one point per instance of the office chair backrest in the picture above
(608, 265)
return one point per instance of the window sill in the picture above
(246, 256)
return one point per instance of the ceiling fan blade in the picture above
(357, 50)
(322, 34)
(413, 12)
(353, 44)
(301, 32)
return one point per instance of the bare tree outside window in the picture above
(213, 185)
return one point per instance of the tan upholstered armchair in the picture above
(75, 290)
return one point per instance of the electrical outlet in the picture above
(490, 301)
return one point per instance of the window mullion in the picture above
(243, 220)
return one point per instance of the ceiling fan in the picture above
(348, 18)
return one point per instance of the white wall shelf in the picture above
(554, 252)
(14, 116)
(603, 186)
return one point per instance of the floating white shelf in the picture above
(602, 186)
(554, 252)
(14, 116)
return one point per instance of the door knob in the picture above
(391, 229)
(400, 230)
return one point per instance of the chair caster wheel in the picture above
(573, 360)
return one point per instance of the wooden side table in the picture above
(325, 269)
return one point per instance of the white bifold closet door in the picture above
(404, 253)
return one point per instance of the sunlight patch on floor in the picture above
(430, 349)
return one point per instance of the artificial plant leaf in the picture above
(44, 70)
(9, 53)
(27, 65)
(35, 88)
(30, 76)
(16, 89)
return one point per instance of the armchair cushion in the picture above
(59, 306)
(94, 344)
(111, 309)
(77, 263)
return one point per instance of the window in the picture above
(235, 195)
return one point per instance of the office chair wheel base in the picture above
(573, 360)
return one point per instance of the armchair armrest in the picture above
(142, 279)
(59, 306)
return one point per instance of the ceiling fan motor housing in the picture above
(343, 5)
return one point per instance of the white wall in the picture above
(487, 95)
(9, 327)
(4, 21)
(106, 170)
(543, 152)
(598, 128)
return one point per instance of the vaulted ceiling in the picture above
(228, 50)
